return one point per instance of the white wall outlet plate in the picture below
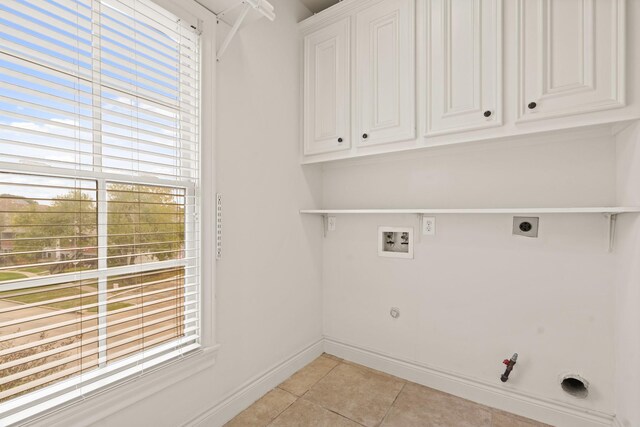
(428, 225)
(331, 223)
(525, 226)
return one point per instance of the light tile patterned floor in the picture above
(330, 392)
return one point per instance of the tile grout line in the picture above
(300, 397)
(492, 411)
(404, 384)
(339, 414)
(301, 369)
(323, 377)
(314, 403)
(342, 362)
(282, 412)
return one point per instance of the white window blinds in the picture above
(99, 83)
(99, 196)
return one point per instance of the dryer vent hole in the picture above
(575, 387)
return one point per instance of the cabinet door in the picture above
(327, 89)
(571, 57)
(385, 72)
(464, 87)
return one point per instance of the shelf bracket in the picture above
(611, 231)
(221, 16)
(418, 233)
(234, 30)
(325, 224)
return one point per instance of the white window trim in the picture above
(115, 397)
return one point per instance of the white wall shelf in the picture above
(610, 214)
(587, 210)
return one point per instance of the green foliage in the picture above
(144, 220)
(145, 223)
(78, 296)
(10, 276)
(69, 221)
(46, 294)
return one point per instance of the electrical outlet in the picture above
(331, 223)
(525, 226)
(428, 225)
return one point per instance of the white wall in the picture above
(627, 318)
(269, 280)
(475, 294)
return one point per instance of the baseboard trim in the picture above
(255, 388)
(527, 405)
(559, 414)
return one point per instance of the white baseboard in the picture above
(544, 410)
(558, 414)
(255, 388)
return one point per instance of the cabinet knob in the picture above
(339, 139)
(532, 105)
(487, 113)
(365, 136)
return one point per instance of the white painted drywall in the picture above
(269, 280)
(475, 294)
(627, 320)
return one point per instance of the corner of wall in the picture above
(627, 315)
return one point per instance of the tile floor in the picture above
(330, 392)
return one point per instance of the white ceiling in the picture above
(316, 6)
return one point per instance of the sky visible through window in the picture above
(55, 118)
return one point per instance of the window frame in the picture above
(102, 180)
(162, 372)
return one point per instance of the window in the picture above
(99, 196)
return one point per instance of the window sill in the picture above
(111, 400)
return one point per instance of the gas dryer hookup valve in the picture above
(510, 364)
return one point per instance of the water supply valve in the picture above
(510, 364)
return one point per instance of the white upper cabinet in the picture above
(376, 71)
(385, 73)
(327, 89)
(571, 57)
(464, 64)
